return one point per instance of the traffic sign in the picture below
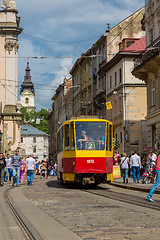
(109, 105)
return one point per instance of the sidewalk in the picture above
(118, 182)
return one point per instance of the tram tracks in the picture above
(123, 197)
(26, 227)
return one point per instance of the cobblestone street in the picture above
(91, 216)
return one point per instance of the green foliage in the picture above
(31, 117)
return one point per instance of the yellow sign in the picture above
(116, 172)
(109, 105)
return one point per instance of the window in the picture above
(129, 43)
(151, 36)
(153, 92)
(90, 71)
(21, 139)
(154, 135)
(105, 82)
(104, 53)
(120, 75)
(120, 105)
(90, 135)
(115, 78)
(34, 139)
(85, 69)
(121, 137)
(107, 132)
(66, 137)
(72, 137)
(110, 114)
(110, 137)
(116, 137)
(100, 56)
(27, 100)
(34, 149)
(60, 141)
(110, 82)
(115, 107)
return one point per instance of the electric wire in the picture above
(43, 57)
(60, 42)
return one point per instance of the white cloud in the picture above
(65, 21)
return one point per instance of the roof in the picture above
(138, 46)
(30, 130)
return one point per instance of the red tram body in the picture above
(85, 152)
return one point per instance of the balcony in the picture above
(100, 97)
(148, 61)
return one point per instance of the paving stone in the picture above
(93, 217)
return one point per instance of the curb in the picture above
(135, 188)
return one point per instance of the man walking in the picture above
(8, 167)
(15, 166)
(31, 167)
(2, 169)
(135, 162)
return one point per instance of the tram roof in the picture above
(84, 119)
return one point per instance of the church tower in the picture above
(27, 93)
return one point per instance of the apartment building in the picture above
(147, 68)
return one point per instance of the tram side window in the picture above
(110, 137)
(67, 137)
(107, 137)
(72, 137)
(60, 141)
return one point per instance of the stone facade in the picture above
(128, 97)
(9, 118)
(61, 110)
(147, 69)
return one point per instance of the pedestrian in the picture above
(117, 158)
(2, 169)
(43, 170)
(15, 166)
(157, 183)
(125, 163)
(144, 163)
(47, 166)
(55, 168)
(8, 168)
(152, 158)
(22, 170)
(135, 162)
(31, 168)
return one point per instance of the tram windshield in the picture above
(90, 135)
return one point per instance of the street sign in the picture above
(109, 105)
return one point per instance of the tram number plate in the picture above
(90, 161)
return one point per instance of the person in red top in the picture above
(157, 183)
(116, 158)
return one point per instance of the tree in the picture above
(36, 119)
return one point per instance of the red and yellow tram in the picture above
(85, 151)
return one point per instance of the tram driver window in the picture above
(67, 137)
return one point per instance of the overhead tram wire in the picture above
(85, 40)
(47, 57)
(43, 57)
(60, 42)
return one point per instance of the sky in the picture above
(61, 30)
